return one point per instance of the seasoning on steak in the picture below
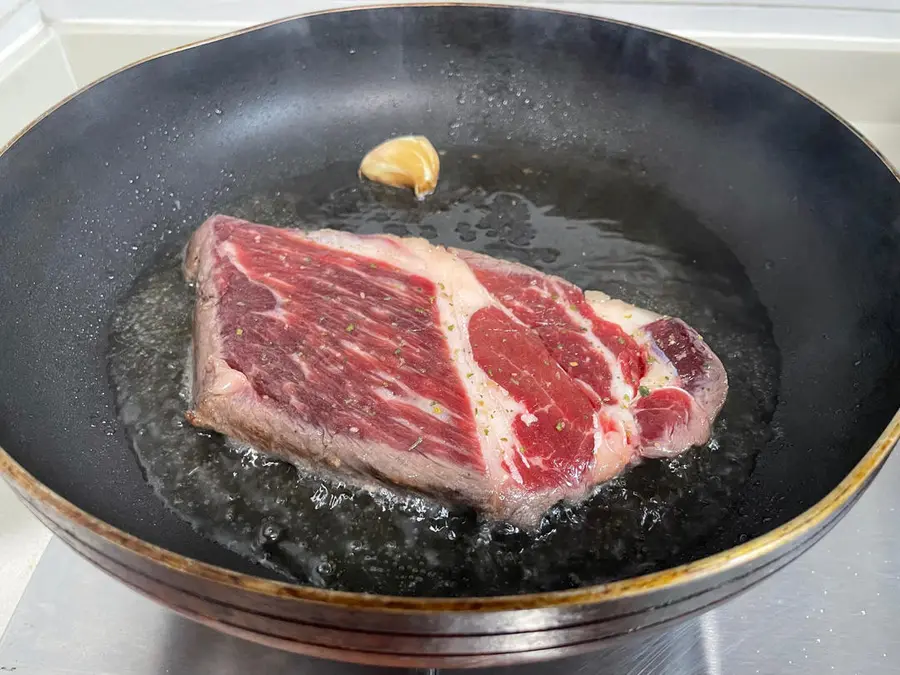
(393, 362)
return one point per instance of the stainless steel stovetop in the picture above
(836, 610)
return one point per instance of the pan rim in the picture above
(790, 532)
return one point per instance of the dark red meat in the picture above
(393, 362)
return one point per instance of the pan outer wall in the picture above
(410, 637)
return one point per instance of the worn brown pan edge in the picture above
(791, 534)
(444, 651)
(134, 569)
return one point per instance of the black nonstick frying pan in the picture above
(623, 159)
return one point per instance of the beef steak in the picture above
(393, 362)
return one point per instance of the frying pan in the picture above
(737, 174)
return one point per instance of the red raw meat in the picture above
(393, 362)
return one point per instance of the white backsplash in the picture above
(842, 18)
(20, 20)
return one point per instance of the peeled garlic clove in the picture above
(405, 161)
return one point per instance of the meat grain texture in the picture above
(393, 362)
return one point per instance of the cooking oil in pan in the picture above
(603, 230)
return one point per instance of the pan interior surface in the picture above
(322, 532)
(692, 185)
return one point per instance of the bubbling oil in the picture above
(601, 228)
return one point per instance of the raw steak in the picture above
(393, 362)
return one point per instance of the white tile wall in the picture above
(20, 20)
(95, 50)
(36, 79)
(7, 6)
(845, 18)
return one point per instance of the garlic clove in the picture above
(405, 161)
